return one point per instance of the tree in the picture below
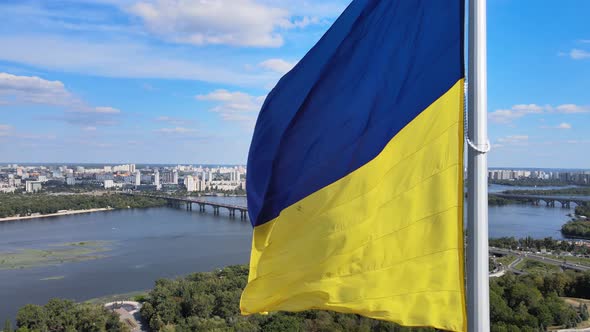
(32, 317)
(283, 323)
(583, 309)
(156, 323)
(60, 315)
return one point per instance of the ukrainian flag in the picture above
(355, 171)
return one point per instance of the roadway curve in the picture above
(540, 258)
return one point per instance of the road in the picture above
(539, 258)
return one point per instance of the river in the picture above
(147, 244)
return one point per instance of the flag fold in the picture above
(355, 176)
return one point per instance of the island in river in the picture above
(22, 206)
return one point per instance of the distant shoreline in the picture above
(57, 214)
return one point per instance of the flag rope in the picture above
(487, 146)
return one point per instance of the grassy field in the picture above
(132, 296)
(54, 255)
(53, 278)
(506, 260)
(531, 266)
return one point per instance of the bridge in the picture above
(565, 201)
(189, 202)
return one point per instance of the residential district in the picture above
(32, 178)
(14, 177)
(567, 177)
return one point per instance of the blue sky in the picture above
(173, 81)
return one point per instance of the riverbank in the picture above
(27, 206)
(57, 214)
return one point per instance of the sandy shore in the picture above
(64, 213)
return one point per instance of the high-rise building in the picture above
(108, 184)
(190, 183)
(70, 181)
(157, 180)
(33, 186)
(170, 177)
(236, 175)
(137, 178)
(175, 176)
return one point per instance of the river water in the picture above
(147, 244)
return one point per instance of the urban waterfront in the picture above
(146, 244)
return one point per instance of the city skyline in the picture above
(124, 81)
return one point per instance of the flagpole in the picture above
(477, 217)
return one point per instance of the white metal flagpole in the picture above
(478, 307)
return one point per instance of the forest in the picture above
(66, 316)
(27, 204)
(209, 301)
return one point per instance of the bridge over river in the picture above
(565, 201)
(189, 202)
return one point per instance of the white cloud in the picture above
(33, 90)
(577, 141)
(572, 108)
(231, 22)
(578, 54)
(90, 117)
(511, 141)
(5, 130)
(584, 41)
(277, 65)
(106, 110)
(234, 106)
(37, 137)
(516, 112)
(563, 125)
(36, 90)
(302, 8)
(305, 21)
(505, 116)
(173, 121)
(514, 139)
(130, 59)
(149, 87)
(175, 130)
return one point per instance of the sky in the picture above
(179, 81)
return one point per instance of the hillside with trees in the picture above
(210, 302)
(66, 316)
